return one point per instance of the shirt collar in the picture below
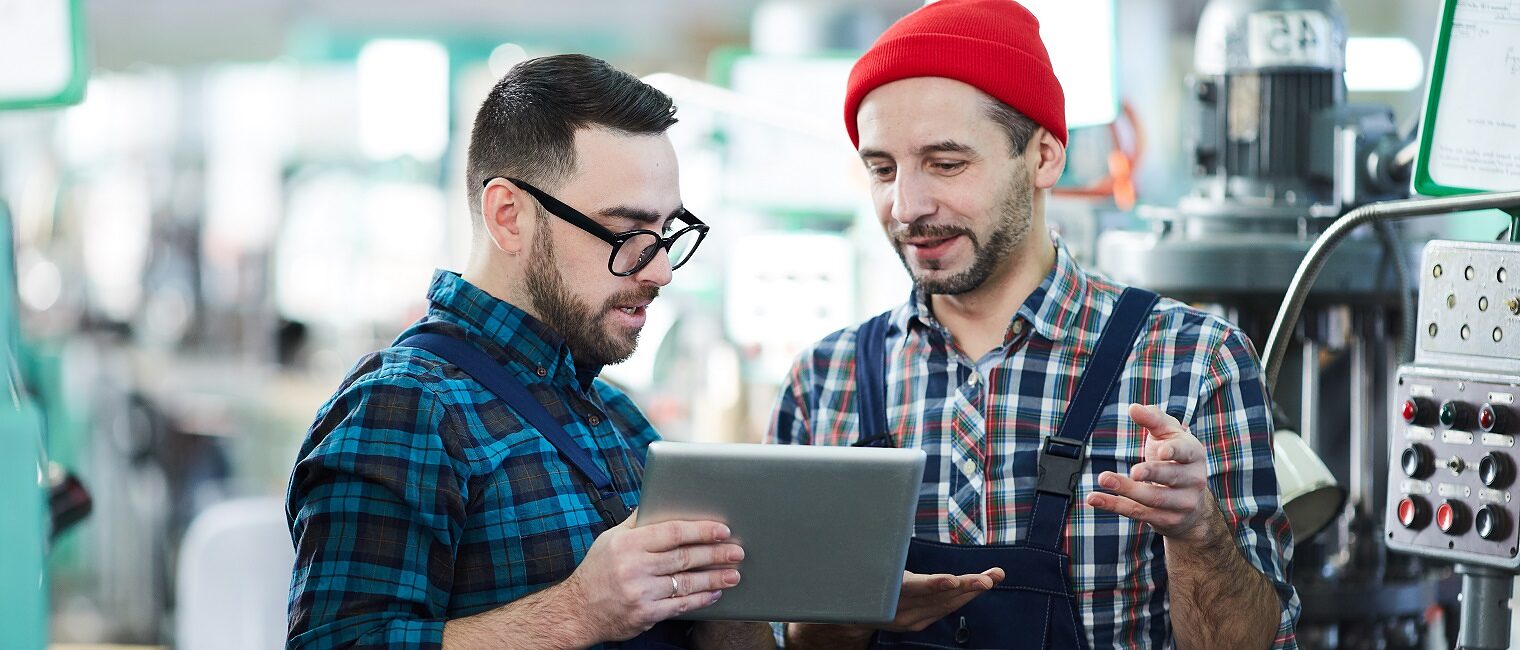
(1051, 309)
(521, 337)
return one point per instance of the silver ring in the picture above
(675, 587)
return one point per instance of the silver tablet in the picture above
(825, 530)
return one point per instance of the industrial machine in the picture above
(1452, 452)
(1280, 160)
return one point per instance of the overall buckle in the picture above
(1061, 461)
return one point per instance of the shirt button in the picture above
(543, 372)
(1018, 327)
(975, 379)
(594, 420)
(969, 467)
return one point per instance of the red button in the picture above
(1410, 411)
(1486, 418)
(1445, 517)
(1406, 513)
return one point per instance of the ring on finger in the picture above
(675, 587)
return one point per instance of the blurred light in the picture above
(504, 57)
(1385, 64)
(41, 283)
(117, 213)
(1080, 36)
(403, 99)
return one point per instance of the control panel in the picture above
(1452, 466)
(1452, 469)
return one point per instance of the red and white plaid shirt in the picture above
(981, 423)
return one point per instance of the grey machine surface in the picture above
(825, 529)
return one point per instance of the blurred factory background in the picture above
(253, 194)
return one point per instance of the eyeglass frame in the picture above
(616, 240)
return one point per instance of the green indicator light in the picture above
(1448, 415)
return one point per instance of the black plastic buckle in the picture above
(610, 506)
(1061, 461)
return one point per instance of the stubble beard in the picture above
(584, 329)
(1015, 216)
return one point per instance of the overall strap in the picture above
(871, 381)
(1063, 455)
(478, 365)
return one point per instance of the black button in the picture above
(594, 420)
(1417, 461)
(543, 372)
(1492, 524)
(1495, 470)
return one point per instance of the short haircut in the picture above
(526, 126)
(1018, 126)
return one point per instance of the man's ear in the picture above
(504, 211)
(1047, 158)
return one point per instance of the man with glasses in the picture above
(472, 485)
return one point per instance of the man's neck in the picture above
(978, 320)
(488, 276)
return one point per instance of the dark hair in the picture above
(1017, 125)
(526, 126)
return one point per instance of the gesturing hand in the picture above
(1170, 489)
(925, 599)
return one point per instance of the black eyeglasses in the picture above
(632, 250)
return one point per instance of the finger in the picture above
(1160, 423)
(1170, 474)
(669, 535)
(975, 582)
(696, 556)
(1183, 448)
(1119, 505)
(918, 584)
(671, 607)
(692, 582)
(1151, 495)
(997, 574)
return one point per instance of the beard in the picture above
(1015, 215)
(591, 339)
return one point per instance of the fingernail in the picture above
(736, 555)
(1108, 481)
(1139, 474)
(715, 596)
(730, 578)
(1166, 453)
(723, 532)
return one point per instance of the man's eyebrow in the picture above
(639, 215)
(945, 146)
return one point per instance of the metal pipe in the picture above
(1485, 607)
(1308, 405)
(1360, 424)
(1314, 261)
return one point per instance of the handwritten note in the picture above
(1476, 140)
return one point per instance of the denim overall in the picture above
(667, 635)
(1033, 606)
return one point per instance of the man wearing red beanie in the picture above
(1100, 466)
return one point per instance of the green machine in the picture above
(49, 36)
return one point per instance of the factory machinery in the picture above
(1286, 171)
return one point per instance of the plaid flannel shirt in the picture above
(982, 421)
(419, 497)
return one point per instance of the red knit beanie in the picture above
(993, 45)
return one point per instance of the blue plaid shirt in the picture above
(420, 497)
(981, 421)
